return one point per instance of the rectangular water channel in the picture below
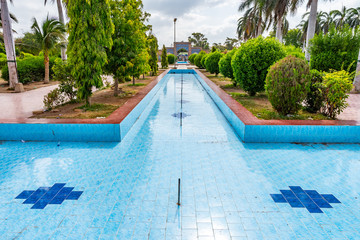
(229, 190)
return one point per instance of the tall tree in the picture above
(62, 20)
(153, 49)
(340, 16)
(353, 18)
(311, 25)
(48, 35)
(90, 31)
(256, 19)
(199, 40)
(9, 44)
(230, 43)
(164, 60)
(128, 53)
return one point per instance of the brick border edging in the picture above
(115, 118)
(249, 119)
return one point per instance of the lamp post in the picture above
(175, 53)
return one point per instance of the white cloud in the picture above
(217, 19)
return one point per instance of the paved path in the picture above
(352, 112)
(21, 105)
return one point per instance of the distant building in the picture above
(178, 46)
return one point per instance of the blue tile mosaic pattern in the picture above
(130, 188)
(309, 199)
(43, 196)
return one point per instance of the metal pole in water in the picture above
(181, 101)
(178, 203)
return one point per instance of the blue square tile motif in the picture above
(49, 195)
(309, 199)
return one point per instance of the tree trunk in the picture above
(9, 44)
(143, 75)
(116, 86)
(357, 75)
(279, 30)
(133, 80)
(311, 27)
(62, 20)
(46, 62)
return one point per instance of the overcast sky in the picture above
(217, 19)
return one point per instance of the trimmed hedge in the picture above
(212, 62)
(192, 58)
(225, 64)
(198, 59)
(252, 60)
(29, 69)
(287, 84)
(171, 58)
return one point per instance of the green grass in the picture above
(261, 108)
(97, 107)
(136, 85)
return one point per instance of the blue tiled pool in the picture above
(129, 189)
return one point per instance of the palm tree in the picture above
(62, 20)
(340, 16)
(312, 24)
(305, 23)
(353, 18)
(255, 20)
(325, 21)
(9, 43)
(48, 36)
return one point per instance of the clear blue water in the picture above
(181, 62)
(130, 188)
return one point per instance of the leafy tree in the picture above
(164, 59)
(48, 35)
(153, 49)
(129, 52)
(218, 46)
(199, 40)
(293, 37)
(231, 43)
(90, 31)
(28, 44)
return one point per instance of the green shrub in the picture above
(287, 84)
(62, 73)
(315, 98)
(25, 55)
(30, 69)
(192, 58)
(212, 62)
(294, 51)
(252, 60)
(335, 50)
(336, 85)
(203, 59)
(3, 60)
(171, 58)
(198, 59)
(225, 65)
(53, 99)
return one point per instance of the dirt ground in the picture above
(104, 102)
(223, 82)
(4, 86)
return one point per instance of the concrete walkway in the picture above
(21, 105)
(352, 112)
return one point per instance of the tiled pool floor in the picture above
(130, 188)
